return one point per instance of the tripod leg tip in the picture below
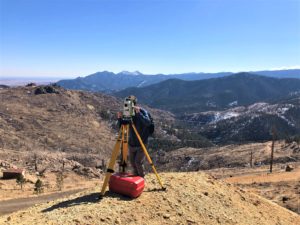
(100, 197)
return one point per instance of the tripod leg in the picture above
(112, 162)
(125, 146)
(147, 155)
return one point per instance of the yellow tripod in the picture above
(122, 144)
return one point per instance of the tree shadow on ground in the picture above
(86, 199)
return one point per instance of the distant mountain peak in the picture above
(134, 73)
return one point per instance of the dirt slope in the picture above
(228, 156)
(191, 198)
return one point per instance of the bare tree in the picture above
(41, 172)
(35, 159)
(251, 158)
(274, 132)
(60, 180)
(60, 177)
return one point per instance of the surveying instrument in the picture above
(122, 144)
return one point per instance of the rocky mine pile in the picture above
(191, 198)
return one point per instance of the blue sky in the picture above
(55, 38)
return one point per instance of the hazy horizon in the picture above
(56, 78)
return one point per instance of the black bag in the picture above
(151, 127)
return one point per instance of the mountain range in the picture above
(180, 97)
(110, 82)
(239, 107)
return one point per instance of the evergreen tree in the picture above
(21, 181)
(38, 186)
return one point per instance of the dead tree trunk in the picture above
(35, 162)
(272, 148)
(251, 159)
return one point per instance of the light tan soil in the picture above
(280, 187)
(191, 198)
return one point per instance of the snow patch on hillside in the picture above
(253, 111)
(140, 84)
(224, 116)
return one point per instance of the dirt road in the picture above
(13, 205)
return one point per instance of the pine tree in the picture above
(21, 181)
(38, 186)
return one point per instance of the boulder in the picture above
(289, 168)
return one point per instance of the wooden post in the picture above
(272, 148)
(251, 158)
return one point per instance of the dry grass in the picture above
(280, 187)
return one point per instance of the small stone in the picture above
(285, 198)
(256, 203)
(76, 221)
(289, 168)
(118, 221)
(166, 216)
(191, 221)
(8, 218)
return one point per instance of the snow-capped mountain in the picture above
(106, 81)
(134, 73)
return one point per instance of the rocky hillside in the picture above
(63, 120)
(191, 198)
(248, 123)
(47, 118)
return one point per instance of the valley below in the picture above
(72, 133)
